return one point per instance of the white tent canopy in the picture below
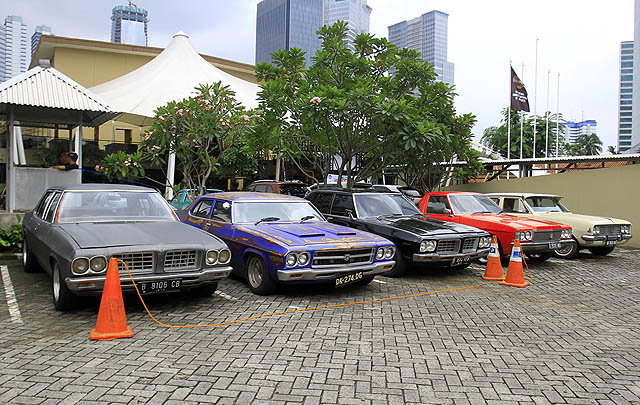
(170, 76)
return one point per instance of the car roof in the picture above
(523, 195)
(352, 190)
(451, 192)
(102, 187)
(253, 196)
(296, 182)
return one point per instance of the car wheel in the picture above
(601, 250)
(538, 257)
(206, 290)
(258, 277)
(29, 262)
(63, 299)
(568, 252)
(399, 268)
(366, 280)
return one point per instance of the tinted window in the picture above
(51, 209)
(513, 205)
(342, 203)
(39, 210)
(322, 201)
(261, 188)
(298, 190)
(202, 209)
(372, 205)
(437, 205)
(222, 212)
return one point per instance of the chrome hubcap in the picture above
(565, 251)
(56, 282)
(254, 272)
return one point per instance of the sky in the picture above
(578, 39)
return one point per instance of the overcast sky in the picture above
(578, 39)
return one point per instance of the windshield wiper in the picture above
(389, 216)
(269, 219)
(306, 218)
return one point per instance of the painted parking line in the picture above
(12, 303)
(379, 281)
(225, 296)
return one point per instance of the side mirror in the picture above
(448, 212)
(350, 214)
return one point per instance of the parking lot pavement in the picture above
(572, 337)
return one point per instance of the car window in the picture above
(437, 204)
(261, 188)
(39, 210)
(342, 203)
(251, 188)
(546, 204)
(221, 211)
(121, 205)
(268, 188)
(372, 205)
(473, 204)
(284, 211)
(202, 209)
(513, 205)
(410, 192)
(51, 208)
(322, 201)
(297, 190)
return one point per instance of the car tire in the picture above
(29, 262)
(399, 268)
(206, 290)
(258, 277)
(570, 252)
(366, 280)
(63, 298)
(538, 257)
(601, 250)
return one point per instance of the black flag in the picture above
(519, 98)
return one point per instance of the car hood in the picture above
(313, 233)
(586, 219)
(112, 234)
(421, 227)
(506, 221)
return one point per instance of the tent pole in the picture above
(171, 168)
(11, 171)
(278, 166)
(78, 145)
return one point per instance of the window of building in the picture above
(627, 57)
(627, 51)
(625, 108)
(626, 64)
(626, 84)
(626, 78)
(626, 113)
(625, 131)
(622, 102)
(626, 90)
(625, 125)
(627, 45)
(625, 119)
(625, 137)
(627, 71)
(626, 95)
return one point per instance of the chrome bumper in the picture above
(330, 273)
(436, 257)
(594, 238)
(95, 284)
(543, 246)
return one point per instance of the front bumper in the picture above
(600, 240)
(438, 258)
(331, 273)
(529, 247)
(93, 285)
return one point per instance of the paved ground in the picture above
(572, 337)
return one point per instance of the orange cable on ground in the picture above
(295, 310)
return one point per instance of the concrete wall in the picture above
(612, 192)
(32, 181)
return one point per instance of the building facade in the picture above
(572, 130)
(635, 129)
(356, 13)
(39, 32)
(14, 56)
(625, 97)
(129, 25)
(427, 34)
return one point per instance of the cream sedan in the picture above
(600, 235)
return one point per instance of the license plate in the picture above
(460, 260)
(150, 287)
(349, 278)
(554, 246)
(612, 242)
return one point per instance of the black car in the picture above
(417, 238)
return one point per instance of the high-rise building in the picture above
(129, 25)
(35, 38)
(572, 130)
(356, 13)
(287, 24)
(635, 130)
(428, 35)
(625, 97)
(13, 48)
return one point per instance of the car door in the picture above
(221, 225)
(342, 209)
(33, 223)
(44, 245)
(514, 206)
(437, 206)
(199, 214)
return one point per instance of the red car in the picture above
(537, 238)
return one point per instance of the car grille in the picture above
(470, 245)
(448, 246)
(342, 257)
(545, 236)
(141, 262)
(180, 259)
(609, 229)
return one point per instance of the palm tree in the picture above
(587, 144)
(612, 149)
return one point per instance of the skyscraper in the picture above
(35, 38)
(129, 25)
(287, 24)
(625, 97)
(356, 13)
(13, 48)
(426, 34)
(635, 130)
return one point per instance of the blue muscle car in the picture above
(277, 238)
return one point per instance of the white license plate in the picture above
(612, 242)
(554, 245)
(460, 260)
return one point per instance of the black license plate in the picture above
(349, 278)
(612, 242)
(554, 246)
(150, 287)
(460, 260)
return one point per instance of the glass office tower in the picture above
(14, 56)
(625, 97)
(356, 13)
(129, 25)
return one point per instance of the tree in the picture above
(352, 112)
(612, 149)
(585, 145)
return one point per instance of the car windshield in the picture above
(298, 190)
(411, 192)
(546, 204)
(285, 211)
(373, 205)
(99, 206)
(473, 204)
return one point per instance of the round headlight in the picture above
(303, 258)
(291, 260)
(80, 265)
(224, 256)
(427, 246)
(526, 235)
(596, 230)
(566, 234)
(485, 242)
(212, 257)
(98, 264)
(380, 254)
(389, 252)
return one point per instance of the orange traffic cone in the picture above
(515, 273)
(112, 321)
(494, 266)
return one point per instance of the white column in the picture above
(78, 144)
(171, 169)
(11, 171)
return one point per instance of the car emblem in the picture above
(550, 236)
(347, 258)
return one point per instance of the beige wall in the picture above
(612, 192)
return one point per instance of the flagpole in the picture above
(509, 118)
(535, 102)
(557, 118)
(546, 111)
(521, 117)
